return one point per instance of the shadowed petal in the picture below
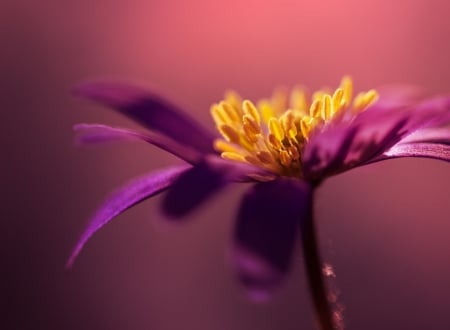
(131, 194)
(426, 150)
(348, 144)
(202, 182)
(369, 135)
(150, 110)
(265, 233)
(97, 133)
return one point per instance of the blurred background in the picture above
(384, 228)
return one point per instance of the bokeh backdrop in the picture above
(384, 228)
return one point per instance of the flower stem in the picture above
(313, 265)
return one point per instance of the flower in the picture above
(282, 147)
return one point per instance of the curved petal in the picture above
(431, 135)
(352, 143)
(150, 110)
(265, 233)
(340, 147)
(202, 182)
(131, 194)
(96, 133)
(426, 150)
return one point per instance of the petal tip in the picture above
(71, 260)
(107, 92)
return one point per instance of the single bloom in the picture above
(282, 147)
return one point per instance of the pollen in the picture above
(272, 133)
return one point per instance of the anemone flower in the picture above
(282, 147)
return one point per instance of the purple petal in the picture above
(150, 110)
(427, 150)
(131, 194)
(432, 113)
(202, 182)
(352, 143)
(340, 147)
(96, 133)
(433, 135)
(266, 229)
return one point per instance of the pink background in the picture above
(384, 228)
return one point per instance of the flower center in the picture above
(273, 133)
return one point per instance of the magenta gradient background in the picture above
(384, 228)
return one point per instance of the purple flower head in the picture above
(282, 147)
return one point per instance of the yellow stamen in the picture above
(266, 110)
(275, 129)
(265, 157)
(230, 111)
(317, 95)
(274, 142)
(218, 116)
(272, 136)
(249, 134)
(229, 133)
(337, 100)
(293, 152)
(287, 119)
(326, 107)
(306, 126)
(222, 146)
(363, 100)
(233, 156)
(347, 87)
(252, 124)
(252, 160)
(250, 109)
(314, 110)
(233, 98)
(285, 159)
